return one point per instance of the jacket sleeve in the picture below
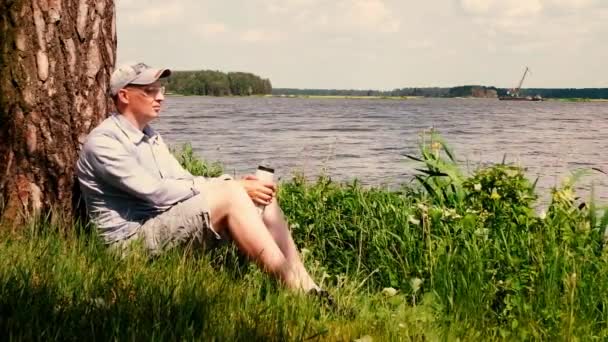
(113, 163)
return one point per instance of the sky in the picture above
(374, 44)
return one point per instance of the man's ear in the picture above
(123, 96)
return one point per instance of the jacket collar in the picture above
(134, 134)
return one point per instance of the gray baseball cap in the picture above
(138, 73)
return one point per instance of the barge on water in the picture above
(513, 94)
(520, 98)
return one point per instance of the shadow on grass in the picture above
(38, 312)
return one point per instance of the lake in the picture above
(366, 139)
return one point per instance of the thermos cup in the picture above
(264, 174)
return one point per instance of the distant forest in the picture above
(217, 83)
(585, 93)
(429, 92)
(461, 91)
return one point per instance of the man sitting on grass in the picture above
(135, 189)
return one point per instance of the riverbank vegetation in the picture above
(459, 91)
(217, 83)
(404, 92)
(578, 99)
(346, 97)
(451, 255)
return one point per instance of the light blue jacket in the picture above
(127, 176)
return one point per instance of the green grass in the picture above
(468, 255)
(69, 288)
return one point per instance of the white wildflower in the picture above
(542, 215)
(416, 283)
(411, 219)
(389, 291)
(495, 195)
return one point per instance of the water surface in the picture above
(366, 139)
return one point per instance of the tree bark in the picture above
(56, 57)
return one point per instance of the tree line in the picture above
(217, 83)
(428, 92)
(584, 93)
(473, 91)
(460, 91)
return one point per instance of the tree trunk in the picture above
(56, 57)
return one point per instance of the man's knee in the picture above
(219, 188)
(224, 194)
(273, 213)
(235, 190)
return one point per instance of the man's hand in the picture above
(260, 192)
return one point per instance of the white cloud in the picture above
(520, 8)
(573, 4)
(370, 15)
(286, 6)
(476, 6)
(509, 8)
(212, 29)
(339, 16)
(419, 44)
(261, 36)
(155, 14)
(534, 25)
(523, 8)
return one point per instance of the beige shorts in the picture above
(185, 224)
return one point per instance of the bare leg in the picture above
(279, 229)
(229, 203)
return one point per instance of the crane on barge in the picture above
(513, 94)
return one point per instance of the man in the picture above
(135, 189)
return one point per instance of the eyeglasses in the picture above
(152, 92)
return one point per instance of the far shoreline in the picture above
(373, 97)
